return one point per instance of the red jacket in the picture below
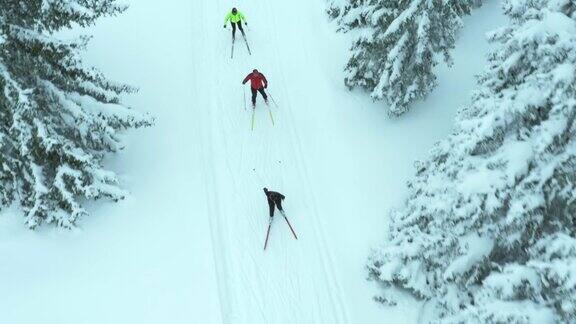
(257, 80)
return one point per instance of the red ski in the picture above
(291, 229)
(270, 225)
(268, 233)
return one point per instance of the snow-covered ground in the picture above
(186, 247)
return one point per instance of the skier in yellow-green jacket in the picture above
(236, 18)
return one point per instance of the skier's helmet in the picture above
(254, 71)
(234, 10)
(266, 190)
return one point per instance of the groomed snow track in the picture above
(293, 281)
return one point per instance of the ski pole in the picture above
(274, 101)
(244, 91)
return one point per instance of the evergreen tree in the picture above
(488, 233)
(57, 117)
(397, 45)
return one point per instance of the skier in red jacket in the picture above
(258, 83)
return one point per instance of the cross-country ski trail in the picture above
(292, 281)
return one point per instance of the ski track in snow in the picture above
(292, 281)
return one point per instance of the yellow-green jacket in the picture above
(234, 17)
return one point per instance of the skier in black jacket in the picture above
(274, 199)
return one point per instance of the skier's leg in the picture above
(240, 27)
(233, 30)
(279, 205)
(271, 205)
(263, 93)
(254, 93)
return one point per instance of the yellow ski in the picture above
(253, 113)
(270, 112)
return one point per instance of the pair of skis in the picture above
(270, 225)
(269, 112)
(267, 105)
(245, 41)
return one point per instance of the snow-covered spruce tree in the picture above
(398, 44)
(57, 118)
(488, 233)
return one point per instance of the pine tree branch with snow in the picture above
(58, 118)
(397, 44)
(488, 233)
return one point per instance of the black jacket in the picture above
(274, 196)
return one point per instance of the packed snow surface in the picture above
(187, 246)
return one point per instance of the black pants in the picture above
(234, 28)
(255, 93)
(272, 203)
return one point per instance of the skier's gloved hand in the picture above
(224, 26)
(245, 23)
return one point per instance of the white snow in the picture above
(473, 248)
(186, 245)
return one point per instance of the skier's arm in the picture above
(265, 81)
(246, 79)
(243, 18)
(228, 16)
